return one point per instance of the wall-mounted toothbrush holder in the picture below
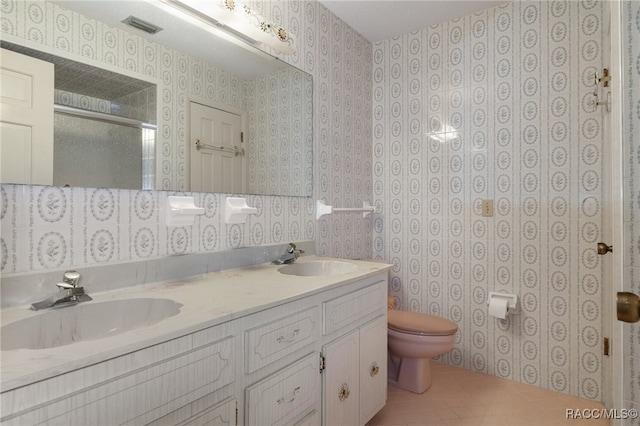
(236, 210)
(322, 209)
(181, 211)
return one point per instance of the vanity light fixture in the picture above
(139, 24)
(240, 19)
(241, 9)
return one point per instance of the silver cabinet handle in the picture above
(293, 336)
(294, 394)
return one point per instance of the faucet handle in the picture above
(65, 285)
(71, 278)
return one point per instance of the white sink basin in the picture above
(84, 321)
(317, 268)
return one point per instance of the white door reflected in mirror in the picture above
(217, 159)
(26, 136)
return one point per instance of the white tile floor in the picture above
(461, 397)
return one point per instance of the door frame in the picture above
(614, 177)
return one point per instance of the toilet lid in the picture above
(420, 323)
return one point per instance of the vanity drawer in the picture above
(140, 395)
(285, 395)
(345, 312)
(270, 342)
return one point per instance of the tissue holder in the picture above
(510, 299)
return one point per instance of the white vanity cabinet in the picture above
(346, 331)
(264, 367)
(355, 357)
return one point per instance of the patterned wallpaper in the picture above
(492, 105)
(631, 141)
(47, 227)
(52, 227)
(280, 158)
(497, 105)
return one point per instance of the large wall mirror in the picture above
(185, 109)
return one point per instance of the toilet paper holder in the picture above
(512, 300)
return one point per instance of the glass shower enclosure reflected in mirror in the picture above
(89, 152)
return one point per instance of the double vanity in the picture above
(299, 344)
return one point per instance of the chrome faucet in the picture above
(68, 293)
(290, 255)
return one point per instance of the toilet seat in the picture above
(420, 324)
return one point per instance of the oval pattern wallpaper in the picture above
(496, 105)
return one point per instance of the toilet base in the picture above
(412, 374)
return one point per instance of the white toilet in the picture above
(413, 339)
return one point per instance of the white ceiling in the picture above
(375, 19)
(378, 20)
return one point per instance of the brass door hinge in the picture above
(323, 363)
(605, 346)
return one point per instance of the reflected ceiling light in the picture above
(242, 20)
(443, 136)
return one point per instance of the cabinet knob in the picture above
(344, 392)
(374, 369)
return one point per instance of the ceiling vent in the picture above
(138, 23)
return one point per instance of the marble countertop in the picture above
(207, 300)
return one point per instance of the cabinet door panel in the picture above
(341, 381)
(373, 368)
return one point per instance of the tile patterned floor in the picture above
(461, 397)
